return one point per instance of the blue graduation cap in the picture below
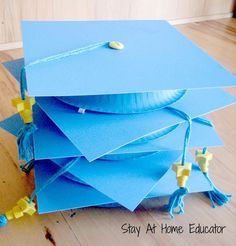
(155, 57)
(83, 195)
(96, 134)
(50, 142)
(84, 130)
(118, 102)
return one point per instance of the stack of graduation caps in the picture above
(117, 104)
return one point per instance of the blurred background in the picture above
(176, 11)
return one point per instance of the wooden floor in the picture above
(94, 226)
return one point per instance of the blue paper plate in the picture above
(155, 135)
(115, 157)
(125, 103)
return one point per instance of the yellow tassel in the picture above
(24, 107)
(182, 172)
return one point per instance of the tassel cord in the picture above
(188, 130)
(60, 172)
(56, 57)
(24, 142)
(215, 195)
(26, 205)
(176, 199)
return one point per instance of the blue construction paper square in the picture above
(96, 134)
(14, 67)
(128, 181)
(50, 142)
(175, 139)
(156, 57)
(197, 182)
(81, 196)
(72, 195)
(48, 129)
(12, 124)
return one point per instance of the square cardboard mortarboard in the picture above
(156, 57)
